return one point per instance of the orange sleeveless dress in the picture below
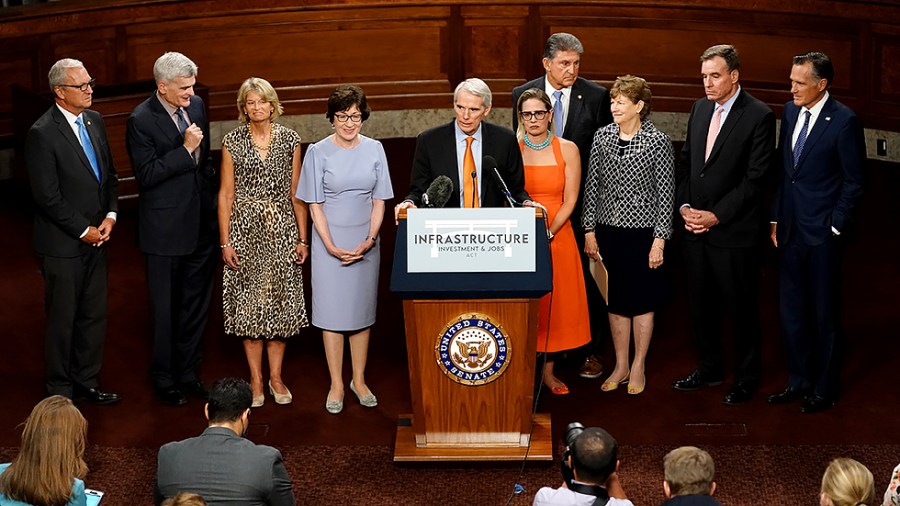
(569, 326)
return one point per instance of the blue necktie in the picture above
(558, 114)
(801, 139)
(182, 123)
(88, 147)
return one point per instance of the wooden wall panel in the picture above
(414, 53)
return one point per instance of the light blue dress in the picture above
(345, 182)
(78, 496)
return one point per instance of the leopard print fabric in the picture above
(264, 298)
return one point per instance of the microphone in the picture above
(488, 162)
(438, 192)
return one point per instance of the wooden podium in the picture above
(460, 416)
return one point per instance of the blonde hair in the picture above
(689, 471)
(635, 89)
(51, 455)
(846, 482)
(537, 94)
(265, 90)
(185, 499)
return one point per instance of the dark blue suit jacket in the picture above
(65, 189)
(823, 189)
(177, 196)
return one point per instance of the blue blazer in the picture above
(177, 196)
(78, 496)
(822, 190)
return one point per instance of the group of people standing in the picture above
(259, 217)
(611, 185)
(608, 178)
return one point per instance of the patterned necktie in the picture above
(557, 114)
(801, 139)
(713, 131)
(470, 180)
(88, 147)
(179, 118)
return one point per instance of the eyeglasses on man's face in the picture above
(343, 118)
(529, 115)
(82, 87)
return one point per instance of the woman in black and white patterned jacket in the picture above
(627, 219)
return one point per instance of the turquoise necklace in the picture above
(537, 147)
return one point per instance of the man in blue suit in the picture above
(168, 143)
(823, 153)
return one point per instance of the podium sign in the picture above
(471, 240)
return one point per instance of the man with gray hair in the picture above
(74, 184)
(457, 149)
(168, 143)
(689, 474)
(580, 107)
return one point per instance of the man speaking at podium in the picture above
(459, 150)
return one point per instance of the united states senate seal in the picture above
(472, 350)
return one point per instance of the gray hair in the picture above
(562, 42)
(476, 87)
(172, 65)
(725, 51)
(59, 72)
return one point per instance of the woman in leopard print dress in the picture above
(263, 233)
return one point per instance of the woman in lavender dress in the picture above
(345, 181)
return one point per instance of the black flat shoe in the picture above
(815, 403)
(695, 380)
(96, 396)
(739, 394)
(787, 396)
(195, 388)
(171, 396)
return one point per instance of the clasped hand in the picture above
(348, 257)
(698, 221)
(97, 236)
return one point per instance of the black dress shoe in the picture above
(740, 393)
(695, 380)
(171, 395)
(96, 396)
(815, 403)
(195, 388)
(788, 395)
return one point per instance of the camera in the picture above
(573, 430)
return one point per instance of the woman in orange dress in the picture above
(552, 177)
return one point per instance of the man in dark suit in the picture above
(823, 153)
(728, 149)
(580, 108)
(456, 150)
(168, 143)
(74, 184)
(220, 464)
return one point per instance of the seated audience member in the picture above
(593, 459)
(847, 483)
(49, 467)
(689, 478)
(892, 494)
(220, 464)
(185, 499)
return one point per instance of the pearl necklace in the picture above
(257, 146)
(537, 147)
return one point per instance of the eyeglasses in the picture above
(82, 87)
(343, 118)
(538, 115)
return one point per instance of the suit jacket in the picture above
(822, 190)
(730, 183)
(588, 111)
(64, 185)
(224, 468)
(177, 195)
(436, 155)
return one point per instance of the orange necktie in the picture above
(470, 182)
